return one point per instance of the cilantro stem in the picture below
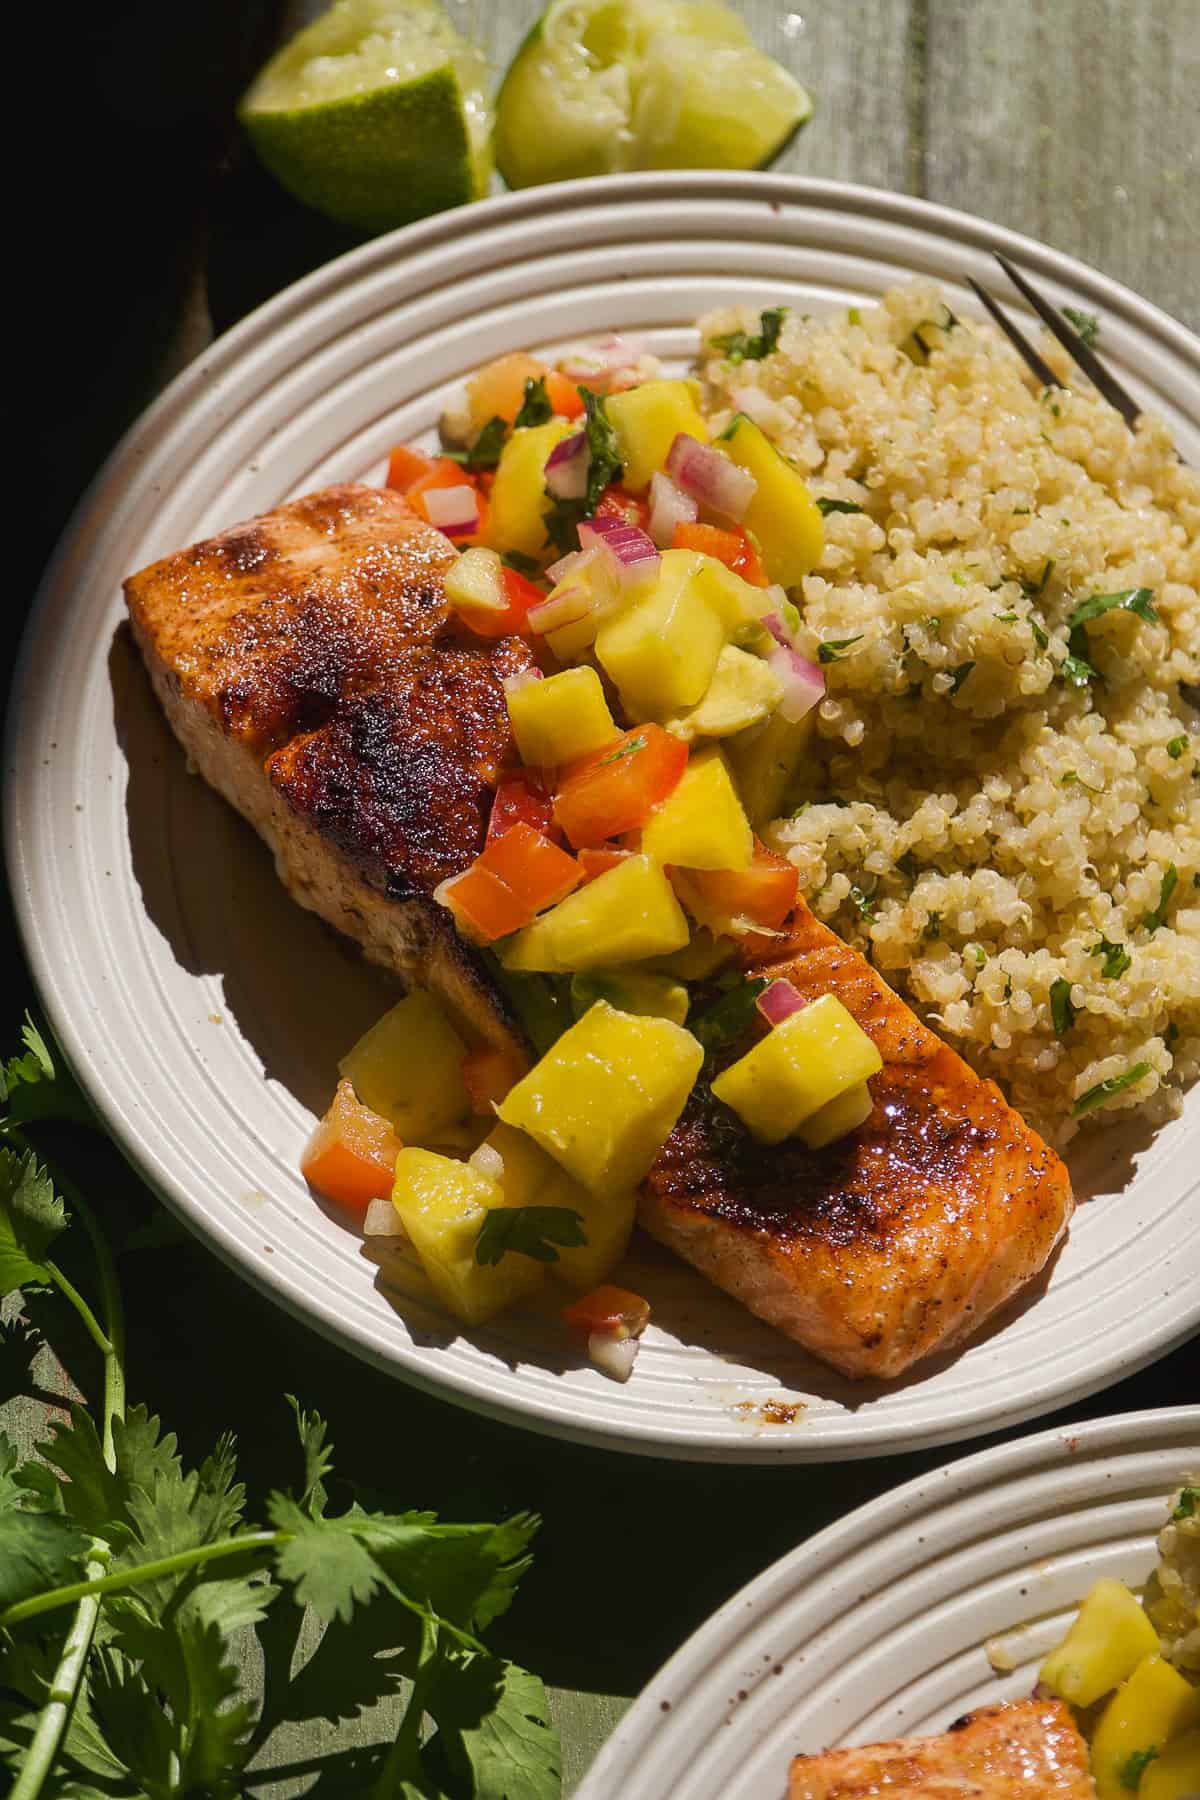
(52, 1722)
(100, 1338)
(147, 1571)
(403, 1760)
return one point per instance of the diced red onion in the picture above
(669, 507)
(558, 571)
(381, 1220)
(714, 480)
(616, 1356)
(454, 510)
(634, 554)
(521, 679)
(567, 468)
(487, 1161)
(803, 682)
(563, 608)
(779, 1001)
(603, 353)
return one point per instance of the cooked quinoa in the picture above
(997, 827)
(1173, 1596)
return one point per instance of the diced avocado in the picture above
(1109, 1637)
(799, 1067)
(530, 1177)
(647, 420)
(1155, 1705)
(632, 991)
(766, 760)
(518, 497)
(701, 824)
(1174, 1773)
(744, 689)
(561, 718)
(783, 514)
(837, 1117)
(627, 913)
(408, 1068)
(662, 651)
(605, 1098)
(442, 1204)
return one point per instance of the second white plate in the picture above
(205, 1013)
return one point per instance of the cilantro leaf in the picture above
(318, 1457)
(744, 346)
(1134, 600)
(825, 507)
(959, 675)
(1103, 1091)
(1062, 1012)
(1086, 324)
(1176, 746)
(1116, 958)
(833, 649)
(38, 1549)
(1134, 1766)
(524, 565)
(528, 1231)
(536, 407)
(493, 1731)
(34, 1087)
(728, 1018)
(1078, 671)
(485, 451)
(1189, 1503)
(31, 1217)
(1166, 887)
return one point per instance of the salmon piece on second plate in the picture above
(1030, 1749)
(894, 1242)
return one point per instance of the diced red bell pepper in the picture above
(514, 619)
(351, 1156)
(537, 871)
(764, 894)
(406, 465)
(520, 801)
(615, 503)
(484, 906)
(617, 788)
(610, 1311)
(489, 1074)
(598, 861)
(733, 547)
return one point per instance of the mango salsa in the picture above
(813, 1057)
(560, 719)
(766, 762)
(838, 1117)
(1175, 1772)
(518, 497)
(632, 991)
(783, 515)
(743, 691)
(647, 420)
(408, 1068)
(701, 824)
(605, 1098)
(442, 1204)
(1109, 1637)
(662, 651)
(529, 1177)
(627, 913)
(1155, 1705)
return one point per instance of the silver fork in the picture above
(1080, 353)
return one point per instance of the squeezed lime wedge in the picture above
(375, 114)
(604, 85)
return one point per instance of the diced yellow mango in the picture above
(647, 420)
(473, 583)
(632, 991)
(1108, 1638)
(799, 1067)
(737, 603)
(529, 1177)
(518, 498)
(701, 824)
(662, 651)
(1175, 1772)
(593, 576)
(605, 1098)
(1155, 1705)
(699, 959)
(783, 514)
(766, 761)
(744, 690)
(408, 1068)
(628, 913)
(442, 1204)
(837, 1117)
(561, 718)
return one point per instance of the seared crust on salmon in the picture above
(311, 667)
(1031, 1748)
(895, 1241)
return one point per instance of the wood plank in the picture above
(1074, 121)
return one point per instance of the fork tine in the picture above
(1041, 370)
(1074, 345)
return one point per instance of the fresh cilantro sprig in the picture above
(730, 1016)
(129, 1583)
(536, 408)
(833, 649)
(1062, 1012)
(1078, 668)
(529, 1231)
(1104, 1091)
(1086, 324)
(825, 507)
(1166, 887)
(745, 346)
(485, 451)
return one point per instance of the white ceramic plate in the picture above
(880, 1626)
(204, 1012)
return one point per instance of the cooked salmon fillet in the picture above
(1030, 1749)
(897, 1240)
(311, 667)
